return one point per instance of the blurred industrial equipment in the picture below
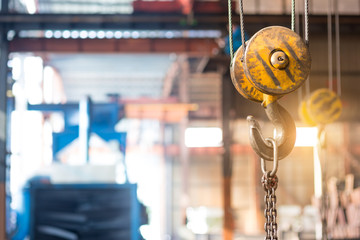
(71, 202)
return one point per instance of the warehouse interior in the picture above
(126, 119)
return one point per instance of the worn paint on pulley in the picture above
(240, 81)
(269, 99)
(277, 61)
(324, 106)
(304, 114)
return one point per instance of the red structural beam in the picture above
(180, 6)
(198, 45)
(174, 150)
(156, 6)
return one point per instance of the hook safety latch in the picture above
(285, 133)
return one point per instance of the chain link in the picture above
(270, 184)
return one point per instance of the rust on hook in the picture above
(285, 133)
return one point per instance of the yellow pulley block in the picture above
(324, 106)
(304, 114)
(240, 81)
(277, 61)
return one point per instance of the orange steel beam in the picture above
(173, 112)
(179, 45)
(174, 150)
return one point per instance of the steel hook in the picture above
(285, 133)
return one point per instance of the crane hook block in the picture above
(277, 61)
(240, 81)
(324, 106)
(304, 114)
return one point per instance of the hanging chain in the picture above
(269, 182)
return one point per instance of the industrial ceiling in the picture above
(351, 7)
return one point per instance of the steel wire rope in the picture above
(231, 48)
(293, 15)
(297, 30)
(241, 8)
(337, 47)
(306, 18)
(330, 54)
(241, 28)
(306, 38)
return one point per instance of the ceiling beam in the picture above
(156, 21)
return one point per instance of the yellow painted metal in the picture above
(240, 81)
(269, 99)
(304, 114)
(324, 106)
(273, 76)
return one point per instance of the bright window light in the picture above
(30, 6)
(48, 87)
(197, 220)
(57, 34)
(75, 34)
(33, 75)
(16, 65)
(49, 34)
(317, 174)
(84, 34)
(203, 137)
(306, 136)
(100, 34)
(92, 34)
(66, 34)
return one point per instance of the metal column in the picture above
(4, 50)
(4, 6)
(184, 152)
(228, 228)
(84, 128)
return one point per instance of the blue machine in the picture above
(85, 211)
(236, 41)
(81, 211)
(100, 118)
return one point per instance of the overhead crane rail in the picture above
(146, 21)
